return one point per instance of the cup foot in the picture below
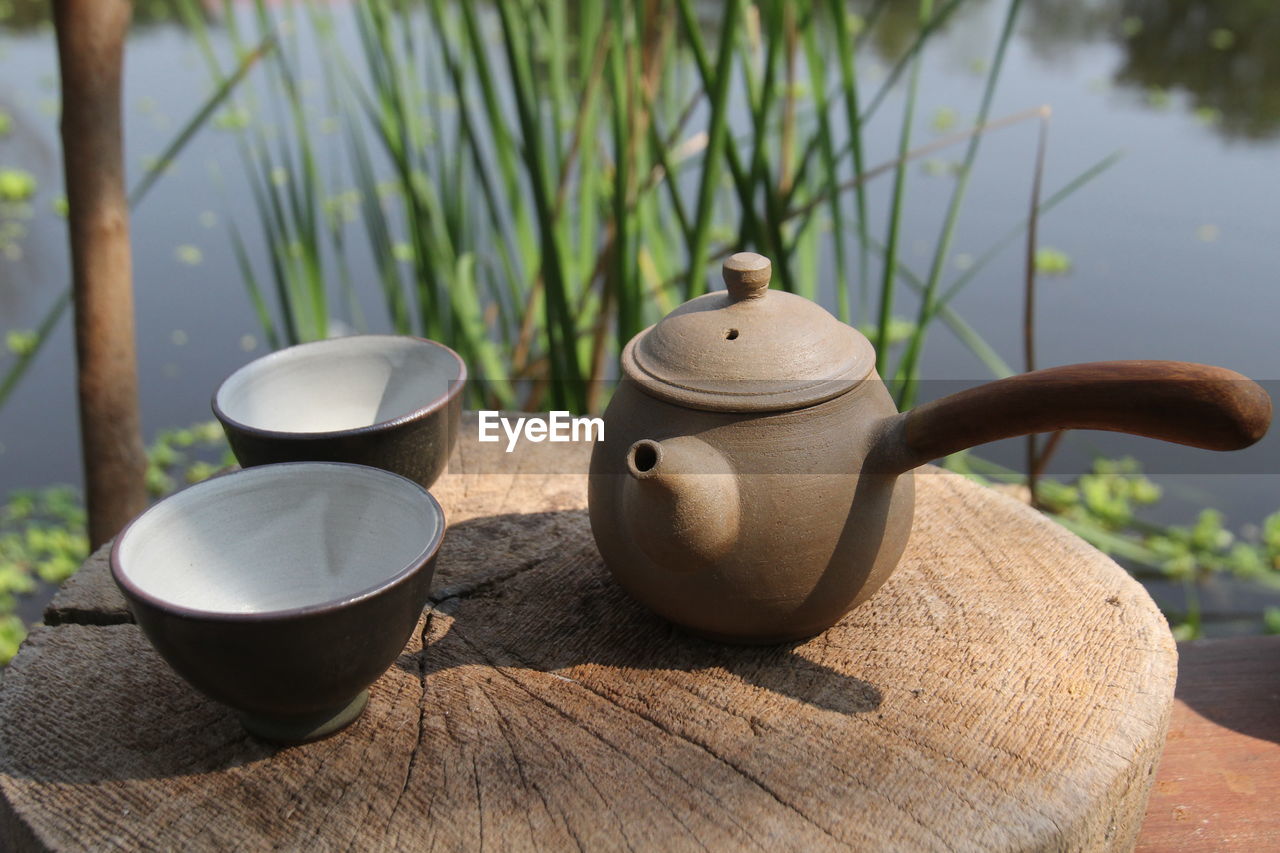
(300, 729)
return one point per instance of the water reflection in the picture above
(896, 25)
(26, 15)
(1220, 53)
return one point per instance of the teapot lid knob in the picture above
(747, 274)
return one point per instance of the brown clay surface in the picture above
(1008, 688)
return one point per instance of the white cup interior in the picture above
(279, 537)
(339, 384)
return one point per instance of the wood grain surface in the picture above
(1008, 688)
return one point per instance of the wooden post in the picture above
(91, 36)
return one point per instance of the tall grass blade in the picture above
(43, 332)
(750, 230)
(909, 365)
(716, 136)
(256, 296)
(959, 327)
(1035, 461)
(895, 210)
(846, 55)
(568, 387)
(1068, 189)
(198, 120)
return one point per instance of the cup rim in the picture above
(401, 576)
(455, 389)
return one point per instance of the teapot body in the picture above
(754, 480)
(752, 527)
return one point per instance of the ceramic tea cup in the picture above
(388, 401)
(283, 591)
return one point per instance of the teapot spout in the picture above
(681, 502)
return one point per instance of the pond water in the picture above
(1173, 250)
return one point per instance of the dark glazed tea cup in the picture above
(283, 591)
(388, 401)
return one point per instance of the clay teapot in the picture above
(754, 483)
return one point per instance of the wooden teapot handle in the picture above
(1175, 401)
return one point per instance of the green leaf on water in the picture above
(1208, 116)
(1222, 39)
(900, 329)
(189, 254)
(208, 433)
(16, 185)
(944, 119)
(1208, 532)
(64, 563)
(1271, 538)
(1144, 492)
(158, 482)
(1246, 561)
(22, 342)
(233, 118)
(1050, 261)
(939, 168)
(12, 633)
(199, 471)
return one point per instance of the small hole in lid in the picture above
(731, 335)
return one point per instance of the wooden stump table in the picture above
(1009, 688)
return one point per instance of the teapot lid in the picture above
(748, 348)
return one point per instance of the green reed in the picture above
(537, 181)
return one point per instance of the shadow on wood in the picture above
(1236, 684)
(563, 615)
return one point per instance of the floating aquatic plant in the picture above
(1050, 261)
(16, 185)
(189, 254)
(1222, 39)
(22, 342)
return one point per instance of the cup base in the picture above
(300, 729)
